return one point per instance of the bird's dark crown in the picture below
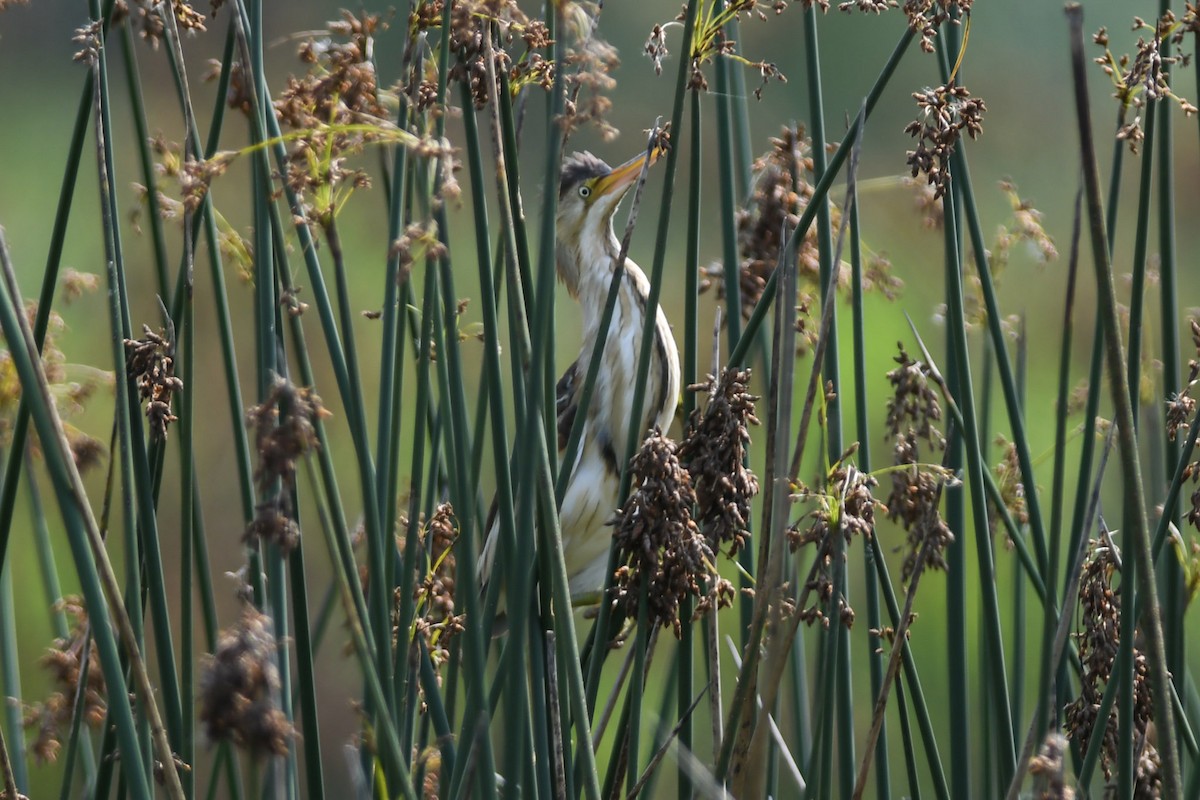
(579, 167)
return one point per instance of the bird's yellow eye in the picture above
(585, 191)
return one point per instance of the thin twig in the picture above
(662, 751)
(10, 782)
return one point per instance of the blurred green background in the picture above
(1016, 61)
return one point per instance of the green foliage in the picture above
(472, 669)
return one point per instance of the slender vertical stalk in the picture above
(1130, 468)
(634, 434)
(691, 343)
(956, 324)
(863, 434)
(58, 237)
(187, 488)
(820, 191)
(15, 773)
(1170, 572)
(91, 559)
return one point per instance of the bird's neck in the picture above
(611, 407)
(594, 281)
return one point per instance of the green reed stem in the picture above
(451, 381)
(820, 192)
(86, 547)
(956, 553)
(684, 663)
(187, 517)
(515, 717)
(862, 416)
(136, 484)
(146, 159)
(634, 434)
(909, 670)
(736, 753)
(726, 192)
(58, 237)
(1170, 572)
(351, 399)
(311, 741)
(1130, 468)
(1006, 764)
(10, 683)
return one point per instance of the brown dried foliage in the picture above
(846, 508)
(943, 114)
(1180, 414)
(1146, 75)
(64, 661)
(437, 623)
(913, 412)
(658, 542)
(150, 361)
(284, 430)
(238, 685)
(714, 454)
(1099, 642)
(1047, 770)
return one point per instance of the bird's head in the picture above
(589, 191)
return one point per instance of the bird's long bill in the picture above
(622, 177)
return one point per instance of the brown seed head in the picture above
(658, 542)
(714, 454)
(237, 688)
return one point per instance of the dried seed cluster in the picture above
(284, 431)
(924, 16)
(150, 362)
(710, 40)
(913, 412)
(1012, 491)
(1024, 230)
(88, 39)
(1099, 641)
(70, 394)
(1181, 411)
(196, 176)
(845, 508)
(714, 454)
(339, 90)
(146, 16)
(780, 195)
(1047, 770)
(781, 192)
(437, 623)
(238, 685)
(64, 661)
(590, 62)
(471, 23)
(659, 543)
(943, 113)
(1146, 76)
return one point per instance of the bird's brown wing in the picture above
(566, 402)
